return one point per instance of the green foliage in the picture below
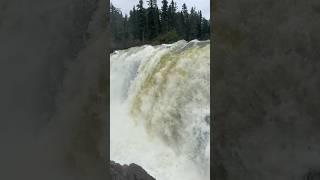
(168, 37)
(151, 24)
(164, 16)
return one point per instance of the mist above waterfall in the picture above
(160, 101)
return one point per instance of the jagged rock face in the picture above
(125, 172)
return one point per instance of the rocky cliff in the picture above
(128, 172)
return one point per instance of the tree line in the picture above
(153, 25)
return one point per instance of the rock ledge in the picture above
(125, 172)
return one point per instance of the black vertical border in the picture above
(107, 76)
(212, 45)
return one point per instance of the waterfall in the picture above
(160, 109)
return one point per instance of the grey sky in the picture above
(203, 5)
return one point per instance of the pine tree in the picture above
(193, 18)
(125, 27)
(141, 20)
(157, 21)
(152, 3)
(116, 25)
(199, 25)
(171, 15)
(180, 25)
(205, 29)
(186, 22)
(184, 9)
(153, 21)
(164, 16)
(134, 24)
(157, 25)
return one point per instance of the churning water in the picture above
(160, 109)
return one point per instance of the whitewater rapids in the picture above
(160, 109)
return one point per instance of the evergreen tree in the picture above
(134, 24)
(199, 25)
(141, 20)
(152, 24)
(172, 13)
(205, 29)
(164, 16)
(180, 24)
(115, 21)
(193, 19)
(125, 27)
(152, 3)
(186, 22)
(158, 21)
(184, 9)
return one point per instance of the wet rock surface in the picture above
(128, 172)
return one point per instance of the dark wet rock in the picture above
(207, 119)
(125, 172)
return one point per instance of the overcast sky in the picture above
(203, 5)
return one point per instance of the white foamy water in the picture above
(160, 108)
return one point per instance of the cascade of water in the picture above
(160, 103)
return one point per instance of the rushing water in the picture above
(160, 109)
